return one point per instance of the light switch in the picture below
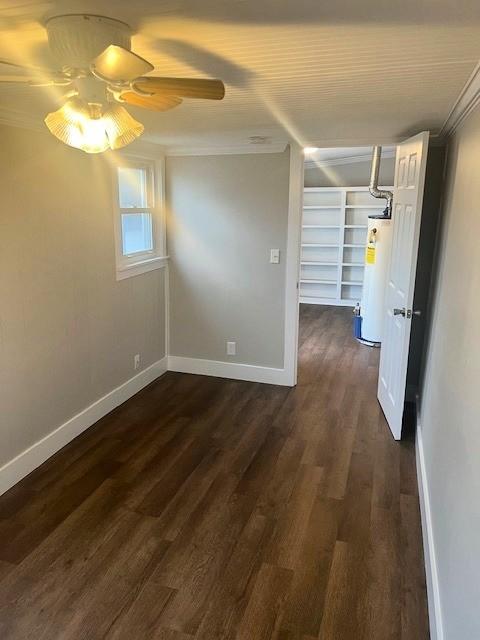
(274, 256)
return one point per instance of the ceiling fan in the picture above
(101, 75)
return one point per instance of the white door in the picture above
(406, 215)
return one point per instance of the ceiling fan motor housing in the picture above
(75, 40)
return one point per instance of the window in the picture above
(140, 227)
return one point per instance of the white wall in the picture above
(224, 215)
(355, 174)
(450, 401)
(68, 329)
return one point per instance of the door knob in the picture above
(399, 312)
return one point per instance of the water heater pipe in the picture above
(373, 187)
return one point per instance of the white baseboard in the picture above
(233, 370)
(433, 592)
(16, 469)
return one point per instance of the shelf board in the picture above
(321, 226)
(322, 206)
(355, 246)
(351, 283)
(316, 281)
(353, 264)
(365, 206)
(337, 302)
(315, 244)
(356, 226)
(314, 263)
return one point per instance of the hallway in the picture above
(208, 509)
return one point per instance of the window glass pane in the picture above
(132, 187)
(136, 232)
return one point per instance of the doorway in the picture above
(344, 254)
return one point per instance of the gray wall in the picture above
(356, 174)
(450, 401)
(224, 215)
(68, 330)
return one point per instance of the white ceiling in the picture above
(341, 153)
(328, 72)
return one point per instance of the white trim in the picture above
(16, 469)
(468, 99)
(235, 149)
(143, 266)
(292, 269)
(232, 370)
(167, 309)
(433, 591)
(312, 164)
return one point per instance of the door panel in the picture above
(409, 182)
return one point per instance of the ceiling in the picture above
(340, 72)
(332, 154)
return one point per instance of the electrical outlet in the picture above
(231, 348)
(136, 362)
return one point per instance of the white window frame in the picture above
(135, 264)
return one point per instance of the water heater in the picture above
(377, 262)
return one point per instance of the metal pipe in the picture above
(373, 187)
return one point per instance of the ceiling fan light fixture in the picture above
(120, 126)
(88, 127)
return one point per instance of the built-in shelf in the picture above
(320, 226)
(364, 206)
(318, 281)
(334, 233)
(322, 206)
(317, 244)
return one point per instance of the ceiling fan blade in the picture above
(12, 68)
(184, 87)
(35, 82)
(154, 103)
(117, 64)
(10, 79)
(11, 72)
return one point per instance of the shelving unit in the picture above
(334, 235)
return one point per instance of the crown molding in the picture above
(466, 102)
(318, 164)
(236, 149)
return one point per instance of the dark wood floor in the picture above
(206, 508)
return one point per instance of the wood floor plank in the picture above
(304, 606)
(264, 608)
(412, 572)
(211, 509)
(344, 609)
(233, 589)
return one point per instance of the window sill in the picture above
(142, 266)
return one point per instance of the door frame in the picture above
(294, 229)
(292, 269)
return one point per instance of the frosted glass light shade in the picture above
(121, 128)
(84, 126)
